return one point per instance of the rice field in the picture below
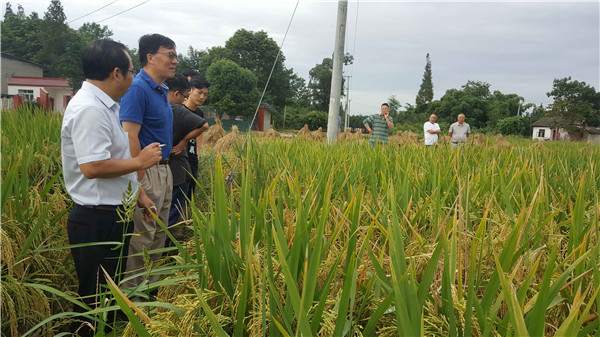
(342, 240)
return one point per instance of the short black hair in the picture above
(190, 73)
(178, 83)
(101, 57)
(385, 105)
(151, 43)
(198, 82)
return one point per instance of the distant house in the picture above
(23, 82)
(263, 120)
(591, 135)
(546, 129)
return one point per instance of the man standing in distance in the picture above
(197, 96)
(378, 125)
(147, 117)
(432, 131)
(98, 167)
(459, 131)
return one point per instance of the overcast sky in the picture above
(517, 47)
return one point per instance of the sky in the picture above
(517, 47)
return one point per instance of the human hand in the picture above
(150, 155)
(147, 207)
(177, 149)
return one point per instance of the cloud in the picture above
(517, 47)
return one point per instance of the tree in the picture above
(211, 56)
(575, 103)
(395, 106)
(511, 125)
(425, 95)
(191, 61)
(8, 11)
(20, 35)
(233, 88)
(53, 38)
(89, 32)
(320, 84)
(258, 52)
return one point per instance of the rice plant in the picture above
(345, 240)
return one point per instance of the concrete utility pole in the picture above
(336, 77)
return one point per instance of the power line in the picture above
(92, 12)
(231, 175)
(68, 22)
(110, 17)
(127, 10)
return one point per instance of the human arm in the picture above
(148, 207)
(194, 134)
(430, 129)
(111, 168)
(389, 120)
(367, 125)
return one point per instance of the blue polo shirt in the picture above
(146, 103)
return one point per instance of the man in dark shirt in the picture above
(198, 94)
(186, 126)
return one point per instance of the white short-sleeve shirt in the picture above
(430, 138)
(91, 132)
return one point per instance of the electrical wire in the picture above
(110, 17)
(231, 175)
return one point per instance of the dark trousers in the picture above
(99, 224)
(178, 202)
(194, 173)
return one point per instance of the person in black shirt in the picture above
(186, 126)
(198, 94)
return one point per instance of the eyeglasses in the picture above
(184, 94)
(132, 71)
(172, 56)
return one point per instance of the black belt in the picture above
(164, 161)
(107, 208)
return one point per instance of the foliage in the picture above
(514, 125)
(319, 84)
(50, 42)
(425, 94)
(395, 107)
(191, 61)
(257, 52)
(297, 117)
(482, 108)
(233, 88)
(90, 32)
(575, 102)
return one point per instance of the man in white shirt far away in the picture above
(432, 131)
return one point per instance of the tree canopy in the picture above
(575, 103)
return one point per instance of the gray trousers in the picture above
(158, 185)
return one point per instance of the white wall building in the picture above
(545, 129)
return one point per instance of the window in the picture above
(542, 133)
(27, 94)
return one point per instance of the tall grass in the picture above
(344, 240)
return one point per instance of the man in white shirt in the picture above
(98, 167)
(432, 131)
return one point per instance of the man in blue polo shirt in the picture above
(146, 117)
